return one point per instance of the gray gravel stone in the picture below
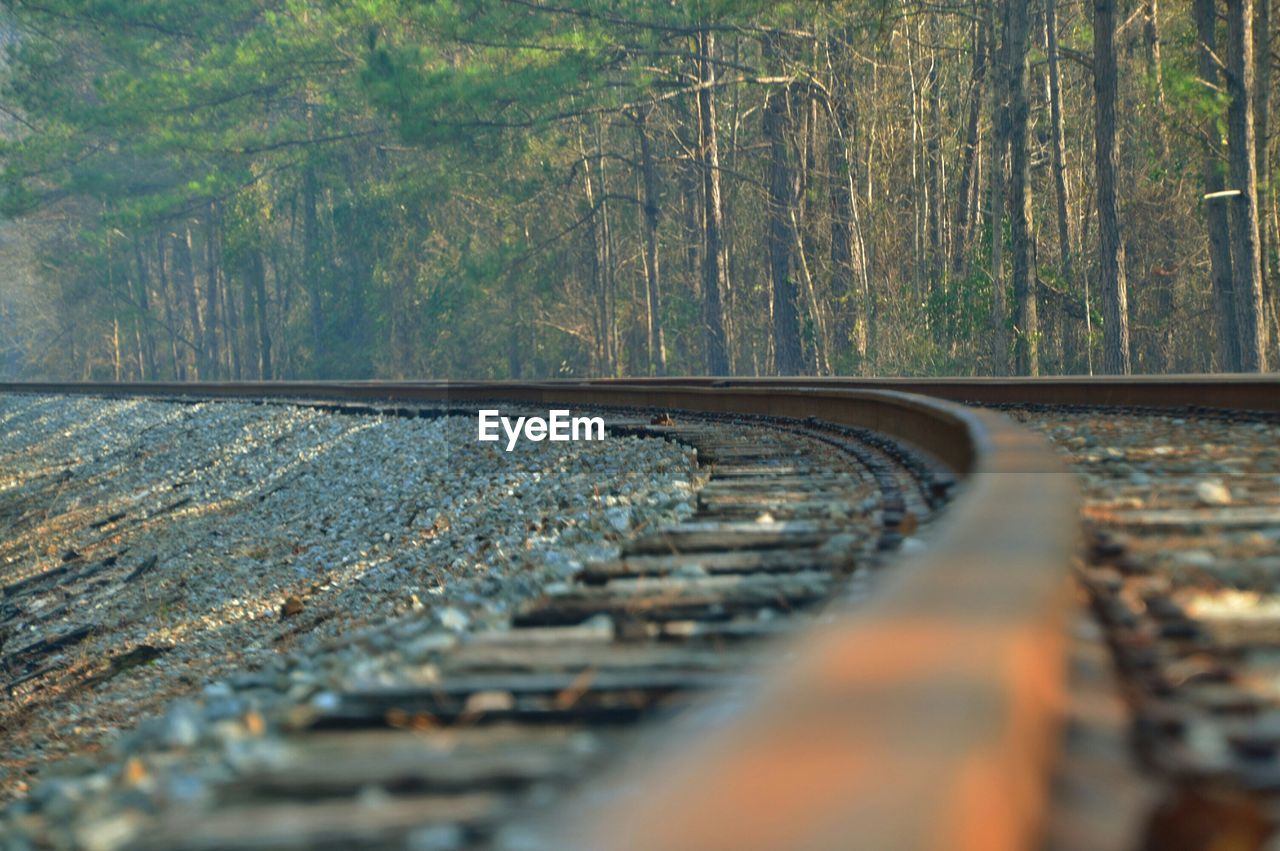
(395, 535)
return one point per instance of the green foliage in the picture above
(411, 188)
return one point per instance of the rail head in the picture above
(926, 718)
(1257, 392)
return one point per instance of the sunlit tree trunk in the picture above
(934, 161)
(1264, 91)
(115, 342)
(212, 354)
(714, 274)
(312, 264)
(1155, 67)
(169, 305)
(1224, 311)
(651, 212)
(1241, 157)
(999, 150)
(607, 262)
(787, 358)
(1111, 273)
(848, 276)
(961, 220)
(145, 324)
(1070, 333)
(1026, 352)
(186, 271)
(258, 274)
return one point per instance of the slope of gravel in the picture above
(150, 550)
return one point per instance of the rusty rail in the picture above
(924, 720)
(1233, 391)
(1241, 392)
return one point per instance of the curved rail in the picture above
(925, 719)
(1233, 391)
(1241, 392)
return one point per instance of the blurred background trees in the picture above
(537, 188)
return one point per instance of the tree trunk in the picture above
(652, 271)
(115, 340)
(870, 258)
(818, 334)
(819, 362)
(1267, 236)
(919, 189)
(1026, 351)
(285, 354)
(596, 289)
(714, 275)
(1159, 286)
(607, 260)
(169, 304)
(689, 185)
(934, 162)
(146, 329)
(1070, 333)
(230, 321)
(186, 270)
(1111, 275)
(1155, 67)
(848, 299)
(999, 151)
(258, 275)
(212, 355)
(1241, 156)
(311, 268)
(1224, 311)
(787, 358)
(968, 168)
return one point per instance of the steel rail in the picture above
(1227, 391)
(1237, 392)
(926, 718)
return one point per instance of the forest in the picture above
(282, 189)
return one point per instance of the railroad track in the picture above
(961, 441)
(509, 721)
(900, 707)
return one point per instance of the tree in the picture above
(849, 280)
(1026, 325)
(1267, 224)
(1115, 307)
(715, 278)
(1000, 133)
(786, 324)
(1053, 91)
(413, 188)
(981, 41)
(1224, 309)
(1241, 154)
(651, 212)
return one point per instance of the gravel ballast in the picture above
(151, 550)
